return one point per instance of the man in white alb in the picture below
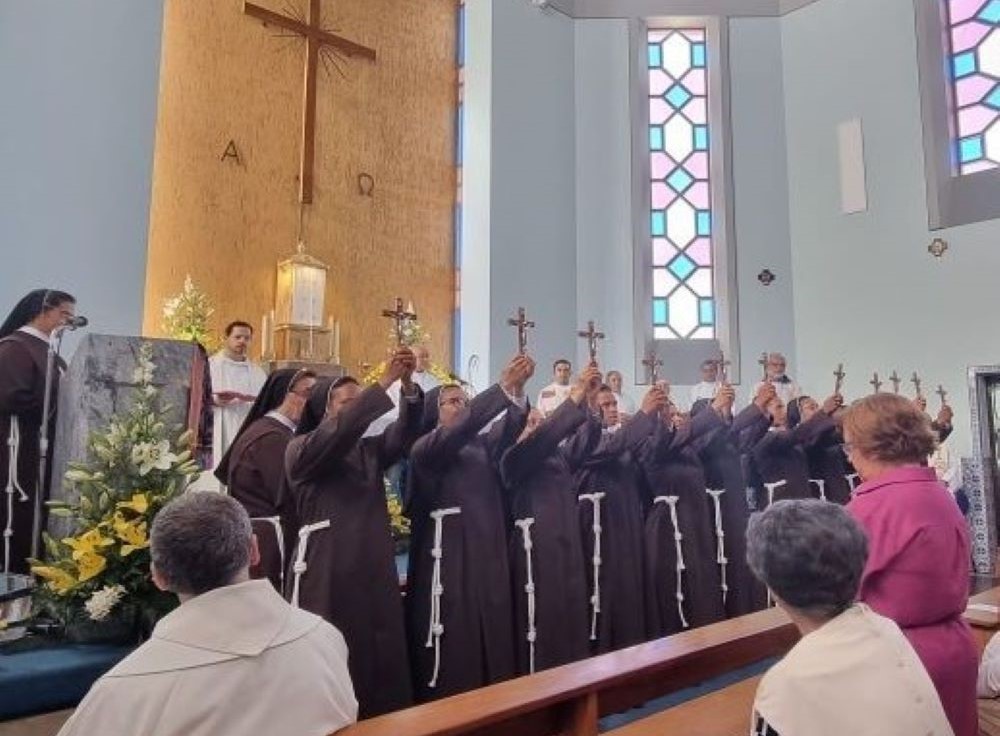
(550, 397)
(236, 381)
(785, 387)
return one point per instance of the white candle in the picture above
(336, 343)
(263, 338)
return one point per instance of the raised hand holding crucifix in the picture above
(653, 365)
(399, 315)
(591, 335)
(523, 325)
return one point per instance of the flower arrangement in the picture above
(399, 525)
(186, 315)
(134, 467)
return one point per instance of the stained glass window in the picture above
(974, 63)
(681, 189)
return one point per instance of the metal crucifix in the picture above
(399, 315)
(943, 394)
(723, 368)
(591, 335)
(839, 376)
(875, 382)
(917, 384)
(653, 365)
(762, 362)
(896, 380)
(523, 325)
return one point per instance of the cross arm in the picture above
(269, 17)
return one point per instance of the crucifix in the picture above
(896, 380)
(917, 384)
(944, 396)
(876, 383)
(399, 316)
(316, 40)
(762, 362)
(839, 375)
(523, 325)
(591, 335)
(653, 365)
(723, 368)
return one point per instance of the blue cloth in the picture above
(51, 679)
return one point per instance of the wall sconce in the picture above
(938, 247)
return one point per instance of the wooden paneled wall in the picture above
(225, 77)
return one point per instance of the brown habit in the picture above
(781, 456)
(455, 469)
(22, 387)
(612, 469)
(673, 469)
(257, 480)
(351, 581)
(539, 477)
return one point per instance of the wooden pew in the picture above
(726, 712)
(569, 700)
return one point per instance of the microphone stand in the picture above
(55, 343)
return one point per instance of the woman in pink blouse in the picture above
(918, 567)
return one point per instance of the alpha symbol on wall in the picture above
(232, 152)
(317, 40)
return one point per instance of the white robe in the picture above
(234, 661)
(857, 675)
(244, 377)
(550, 397)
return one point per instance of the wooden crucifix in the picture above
(591, 335)
(762, 362)
(917, 384)
(653, 365)
(316, 39)
(838, 376)
(896, 380)
(875, 382)
(523, 325)
(944, 396)
(723, 368)
(399, 316)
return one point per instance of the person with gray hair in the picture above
(853, 671)
(776, 375)
(234, 657)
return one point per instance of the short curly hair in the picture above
(810, 553)
(890, 429)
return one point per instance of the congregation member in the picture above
(626, 406)
(918, 566)
(853, 671)
(550, 397)
(546, 554)
(775, 373)
(681, 570)
(458, 604)
(236, 381)
(253, 469)
(612, 507)
(234, 657)
(344, 566)
(24, 349)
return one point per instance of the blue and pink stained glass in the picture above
(974, 62)
(681, 198)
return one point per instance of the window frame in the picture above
(952, 199)
(685, 356)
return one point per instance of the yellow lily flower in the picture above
(87, 543)
(58, 580)
(133, 534)
(139, 503)
(89, 565)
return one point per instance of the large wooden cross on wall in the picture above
(316, 38)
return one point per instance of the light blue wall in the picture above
(604, 199)
(866, 290)
(532, 175)
(78, 93)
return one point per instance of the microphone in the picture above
(75, 323)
